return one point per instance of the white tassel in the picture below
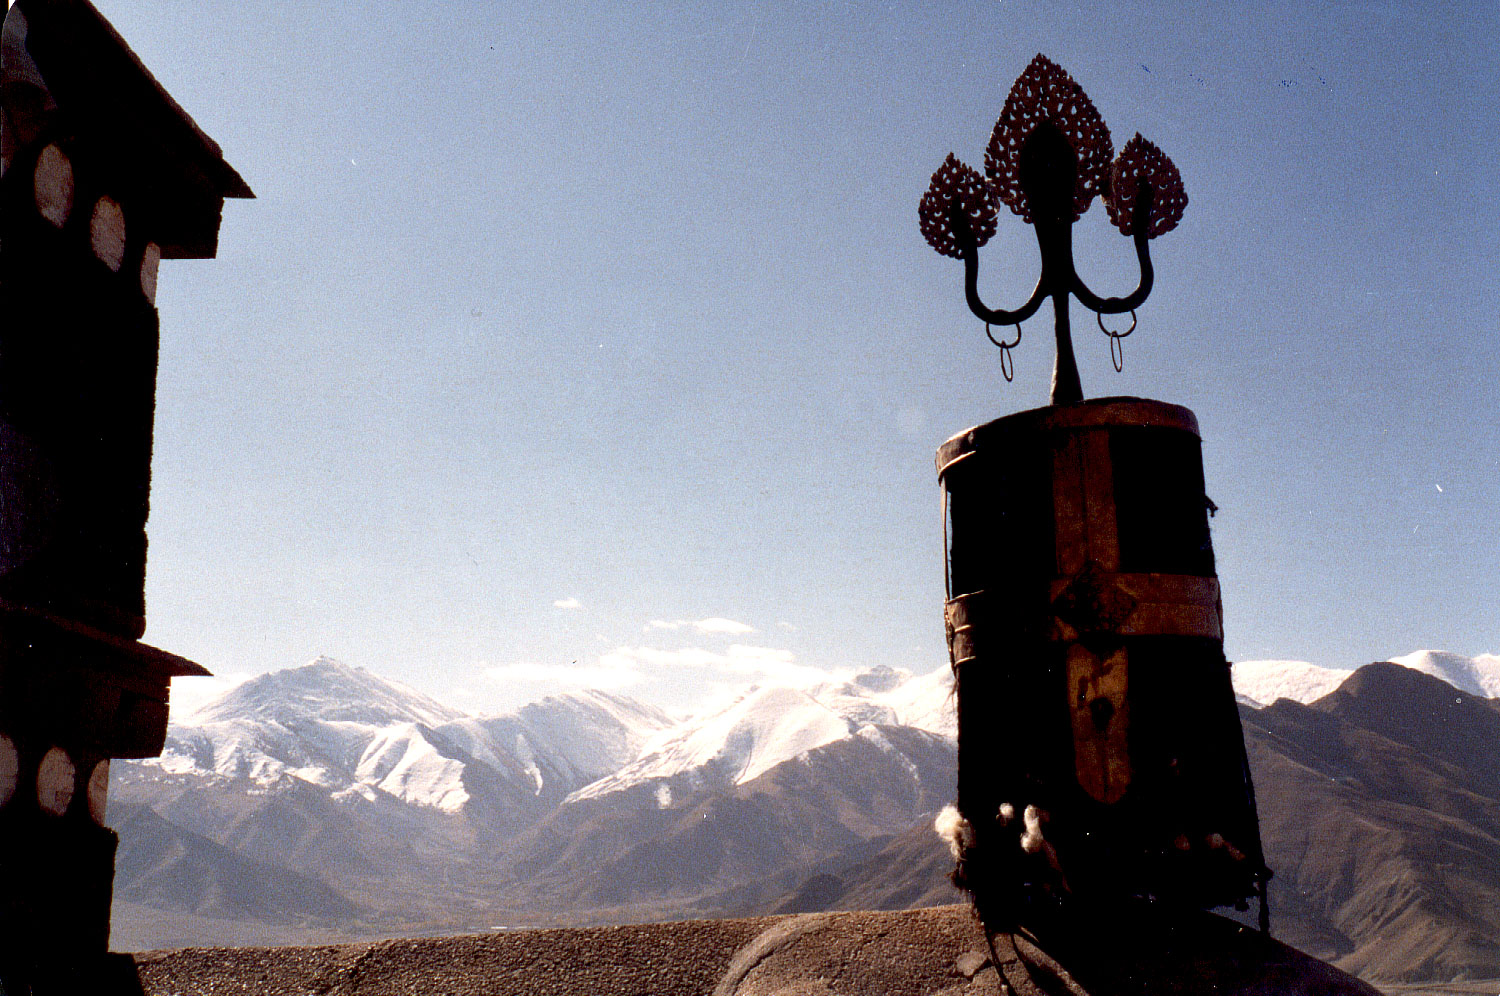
(1032, 840)
(955, 830)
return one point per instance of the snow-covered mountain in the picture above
(564, 741)
(358, 735)
(402, 805)
(327, 691)
(1259, 683)
(892, 697)
(755, 733)
(1475, 675)
(587, 805)
(767, 726)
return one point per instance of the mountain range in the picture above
(1260, 683)
(578, 808)
(324, 801)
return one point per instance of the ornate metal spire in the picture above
(1050, 153)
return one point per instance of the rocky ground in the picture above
(929, 952)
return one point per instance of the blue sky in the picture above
(552, 322)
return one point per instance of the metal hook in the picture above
(1099, 317)
(1007, 362)
(1116, 347)
(1003, 345)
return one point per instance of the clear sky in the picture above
(558, 330)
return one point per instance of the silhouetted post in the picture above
(1100, 752)
(103, 177)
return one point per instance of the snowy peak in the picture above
(401, 762)
(594, 731)
(1475, 675)
(890, 696)
(767, 726)
(326, 691)
(562, 742)
(361, 737)
(734, 745)
(1259, 683)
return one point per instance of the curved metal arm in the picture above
(991, 315)
(1133, 300)
(994, 316)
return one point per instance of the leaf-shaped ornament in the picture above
(1142, 162)
(956, 183)
(1045, 92)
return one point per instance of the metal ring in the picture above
(1003, 345)
(1099, 317)
(1117, 352)
(1007, 365)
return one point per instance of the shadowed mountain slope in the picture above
(172, 868)
(677, 840)
(1380, 812)
(1380, 807)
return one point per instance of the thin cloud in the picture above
(715, 625)
(567, 603)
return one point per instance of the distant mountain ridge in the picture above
(359, 735)
(325, 690)
(389, 813)
(356, 734)
(767, 726)
(422, 817)
(158, 861)
(1260, 683)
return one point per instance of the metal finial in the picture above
(1141, 162)
(1050, 153)
(957, 184)
(1045, 93)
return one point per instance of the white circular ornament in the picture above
(107, 232)
(53, 185)
(54, 781)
